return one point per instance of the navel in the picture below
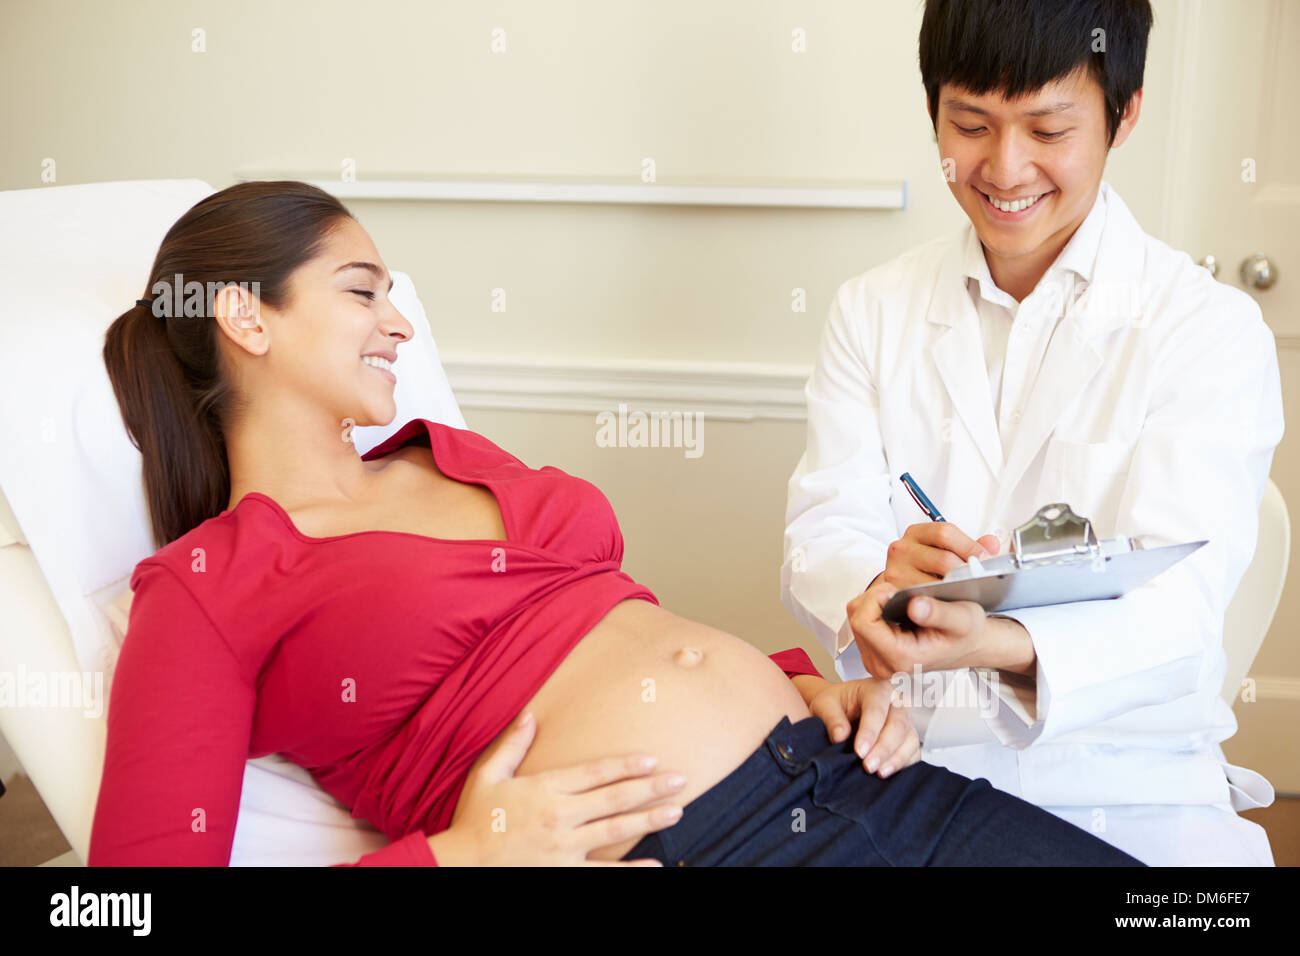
(688, 657)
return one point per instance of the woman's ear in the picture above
(237, 312)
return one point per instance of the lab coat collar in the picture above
(1114, 244)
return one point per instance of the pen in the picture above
(919, 497)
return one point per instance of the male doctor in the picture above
(1049, 352)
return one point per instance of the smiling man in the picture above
(1050, 351)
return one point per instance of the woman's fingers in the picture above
(596, 773)
(625, 826)
(615, 798)
(649, 862)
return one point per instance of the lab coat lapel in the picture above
(1074, 354)
(957, 350)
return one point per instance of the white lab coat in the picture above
(1155, 414)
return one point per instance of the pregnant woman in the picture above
(381, 620)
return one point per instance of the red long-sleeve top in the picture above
(383, 662)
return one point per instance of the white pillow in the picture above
(72, 258)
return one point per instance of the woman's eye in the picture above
(366, 292)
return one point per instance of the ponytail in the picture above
(186, 475)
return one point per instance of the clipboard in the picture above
(1055, 558)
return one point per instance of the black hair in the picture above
(1016, 47)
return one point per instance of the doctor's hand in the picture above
(555, 817)
(947, 634)
(885, 737)
(929, 550)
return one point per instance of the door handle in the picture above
(1258, 271)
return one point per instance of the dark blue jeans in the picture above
(800, 800)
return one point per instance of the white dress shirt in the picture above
(1015, 335)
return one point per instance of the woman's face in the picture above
(338, 311)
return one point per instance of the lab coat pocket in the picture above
(1089, 477)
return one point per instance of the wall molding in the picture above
(1269, 687)
(732, 391)
(735, 391)
(828, 194)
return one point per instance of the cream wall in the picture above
(709, 90)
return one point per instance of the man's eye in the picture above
(366, 292)
(1056, 135)
(965, 130)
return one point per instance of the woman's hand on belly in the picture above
(556, 817)
(645, 680)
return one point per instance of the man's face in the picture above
(1044, 151)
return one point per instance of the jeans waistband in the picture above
(791, 747)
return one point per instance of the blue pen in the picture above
(919, 497)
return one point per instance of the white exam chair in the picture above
(73, 520)
(1251, 610)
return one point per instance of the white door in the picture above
(1233, 192)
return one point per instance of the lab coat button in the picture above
(1015, 418)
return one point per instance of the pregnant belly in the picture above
(645, 680)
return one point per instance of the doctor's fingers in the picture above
(951, 617)
(875, 711)
(908, 753)
(896, 745)
(909, 562)
(834, 713)
(865, 612)
(945, 536)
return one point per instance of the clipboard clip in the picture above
(1055, 535)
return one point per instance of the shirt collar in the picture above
(1079, 255)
